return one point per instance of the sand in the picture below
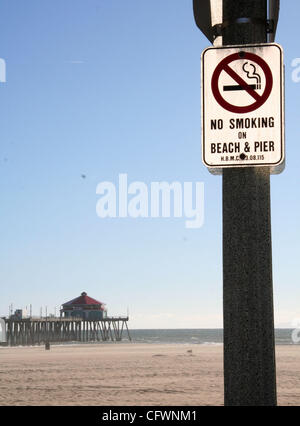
(128, 374)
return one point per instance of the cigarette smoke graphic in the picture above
(251, 73)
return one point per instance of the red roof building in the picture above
(84, 307)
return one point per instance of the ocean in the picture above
(185, 336)
(195, 336)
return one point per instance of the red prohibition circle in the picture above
(259, 99)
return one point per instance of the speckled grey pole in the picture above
(249, 350)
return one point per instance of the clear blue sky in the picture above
(100, 87)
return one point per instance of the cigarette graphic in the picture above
(250, 70)
(244, 87)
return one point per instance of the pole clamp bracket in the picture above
(218, 28)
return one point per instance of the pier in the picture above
(37, 331)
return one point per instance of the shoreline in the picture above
(123, 343)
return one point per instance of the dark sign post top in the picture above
(202, 14)
(274, 6)
(203, 17)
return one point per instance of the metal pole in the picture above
(249, 350)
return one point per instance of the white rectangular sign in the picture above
(243, 107)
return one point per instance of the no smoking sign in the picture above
(243, 107)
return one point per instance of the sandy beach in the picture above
(128, 374)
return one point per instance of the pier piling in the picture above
(37, 331)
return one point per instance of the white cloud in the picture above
(75, 62)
